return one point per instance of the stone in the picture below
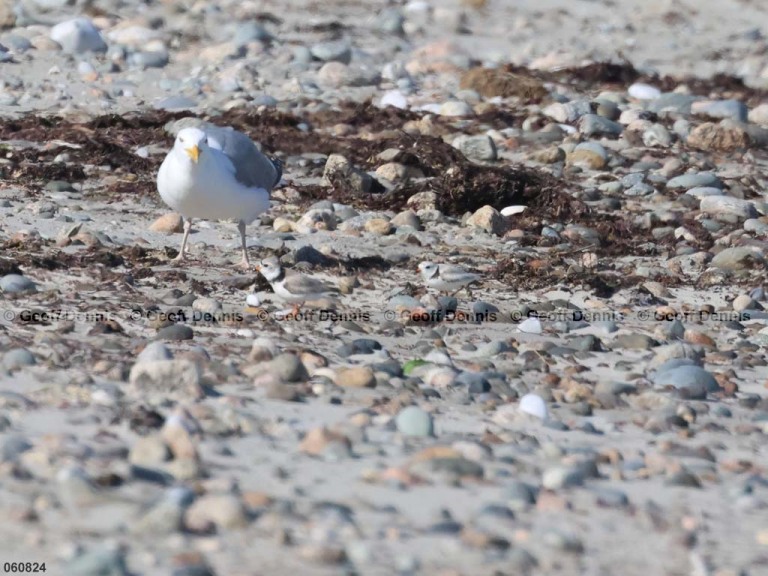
(562, 477)
(413, 421)
(222, 511)
(641, 91)
(154, 351)
(487, 219)
(355, 377)
(456, 108)
(18, 358)
(718, 137)
(17, 284)
(533, 405)
(759, 115)
(549, 155)
(693, 381)
(171, 223)
(321, 441)
(332, 51)
(393, 172)
(479, 148)
(716, 205)
(102, 561)
(175, 332)
(333, 75)
(590, 155)
(694, 180)
(287, 368)
(78, 36)
(594, 125)
(379, 227)
(569, 112)
(738, 258)
(178, 379)
(149, 452)
(719, 109)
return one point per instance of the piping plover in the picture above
(293, 287)
(217, 173)
(446, 277)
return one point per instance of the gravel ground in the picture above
(595, 404)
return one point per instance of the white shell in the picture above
(510, 210)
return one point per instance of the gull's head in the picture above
(191, 141)
(270, 268)
(428, 270)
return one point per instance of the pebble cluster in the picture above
(595, 404)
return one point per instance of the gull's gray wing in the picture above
(252, 168)
(301, 284)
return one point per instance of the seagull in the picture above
(217, 173)
(446, 277)
(294, 288)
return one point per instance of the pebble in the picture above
(456, 108)
(643, 91)
(480, 148)
(739, 258)
(534, 405)
(18, 358)
(175, 332)
(286, 368)
(693, 381)
(716, 205)
(78, 36)
(590, 155)
(17, 284)
(594, 125)
(413, 421)
(332, 51)
(697, 180)
(488, 220)
(355, 377)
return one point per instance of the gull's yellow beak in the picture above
(193, 152)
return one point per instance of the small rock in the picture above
(175, 332)
(169, 224)
(487, 219)
(355, 377)
(178, 379)
(738, 258)
(481, 148)
(589, 155)
(594, 125)
(334, 50)
(456, 108)
(222, 511)
(287, 368)
(718, 137)
(18, 358)
(17, 284)
(534, 405)
(413, 421)
(78, 36)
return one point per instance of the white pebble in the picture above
(644, 91)
(394, 98)
(534, 405)
(530, 326)
(253, 300)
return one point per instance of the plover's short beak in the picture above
(193, 152)
(258, 268)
